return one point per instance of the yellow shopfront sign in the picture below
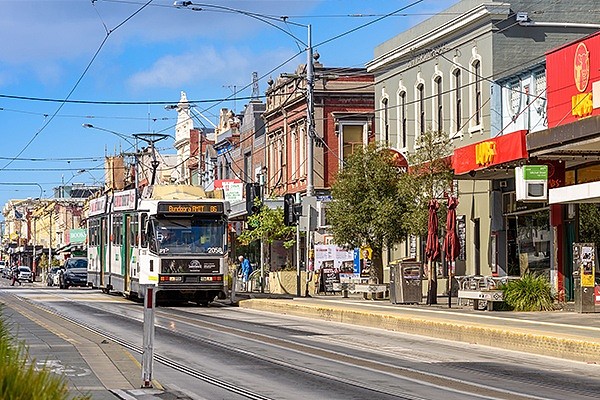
(485, 153)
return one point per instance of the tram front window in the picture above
(184, 237)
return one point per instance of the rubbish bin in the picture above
(406, 282)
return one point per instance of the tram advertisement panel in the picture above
(186, 266)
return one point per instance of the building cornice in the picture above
(485, 11)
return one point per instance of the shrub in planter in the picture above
(530, 293)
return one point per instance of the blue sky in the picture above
(151, 57)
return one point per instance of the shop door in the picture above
(512, 247)
(568, 264)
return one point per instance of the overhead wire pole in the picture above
(309, 72)
(152, 138)
(310, 116)
(310, 120)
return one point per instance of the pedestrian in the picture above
(15, 277)
(246, 270)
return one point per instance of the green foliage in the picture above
(429, 177)
(43, 263)
(530, 293)
(589, 223)
(367, 208)
(268, 225)
(19, 379)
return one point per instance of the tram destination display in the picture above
(183, 208)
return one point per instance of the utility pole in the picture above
(151, 138)
(310, 117)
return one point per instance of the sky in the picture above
(118, 62)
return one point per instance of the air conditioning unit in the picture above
(531, 183)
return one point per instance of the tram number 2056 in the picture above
(214, 250)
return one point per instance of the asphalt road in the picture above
(284, 357)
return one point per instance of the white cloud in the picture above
(176, 71)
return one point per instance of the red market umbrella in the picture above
(432, 248)
(432, 251)
(451, 243)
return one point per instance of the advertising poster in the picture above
(366, 261)
(333, 257)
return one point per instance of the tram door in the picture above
(102, 249)
(126, 249)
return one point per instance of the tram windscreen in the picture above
(180, 236)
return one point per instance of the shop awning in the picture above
(494, 153)
(575, 142)
(581, 193)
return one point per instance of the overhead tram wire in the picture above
(83, 74)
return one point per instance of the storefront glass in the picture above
(533, 242)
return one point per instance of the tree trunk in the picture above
(377, 268)
(431, 283)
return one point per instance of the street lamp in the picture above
(122, 136)
(309, 72)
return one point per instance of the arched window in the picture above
(457, 100)
(421, 107)
(386, 120)
(402, 118)
(439, 107)
(477, 92)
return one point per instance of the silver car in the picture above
(24, 274)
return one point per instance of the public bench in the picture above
(490, 296)
(364, 288)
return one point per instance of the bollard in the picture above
(148, 337)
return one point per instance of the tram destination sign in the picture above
(189, 208)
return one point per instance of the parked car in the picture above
(24, 274)
(52, 279)
(74, 273)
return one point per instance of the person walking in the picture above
(246, 270)
(15, 277)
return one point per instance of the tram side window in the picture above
(117, 230)
(93, 232)
(133, 232)
(144, 233)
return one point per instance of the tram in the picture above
(172, 237)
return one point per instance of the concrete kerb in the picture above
(524, 340)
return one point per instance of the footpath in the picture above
(561, 333)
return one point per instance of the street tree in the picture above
(268, 225)
(366, 208)
(429, 177)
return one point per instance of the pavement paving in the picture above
(561, 333)
(114, 373)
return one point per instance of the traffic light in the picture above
(289, 216)
(253, 198)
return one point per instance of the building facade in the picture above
(444, 74)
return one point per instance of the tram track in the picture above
(196, 320)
